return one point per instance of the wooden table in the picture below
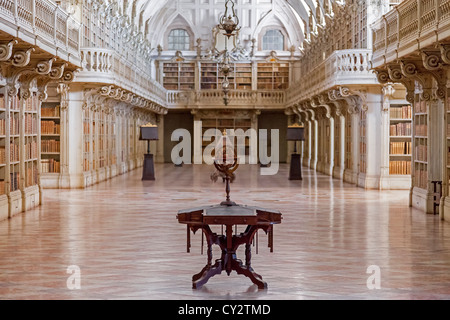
(254, 218)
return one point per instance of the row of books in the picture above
(400, 129)
(15, 180)
(31, 176)
(403, 147)
(50, 112)
(50, 166)
(403, 112)
(14, 126)
(50, 146)
(421, 129)
(420, 106)
(50, 127)
(421, 178)
(2, 187)
(31, 150)
(14, 152)
(31, 104)
(400, 167)
(421, 153)
(31, 124)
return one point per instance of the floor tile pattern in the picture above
(123, 236)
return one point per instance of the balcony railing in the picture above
(410, 27)
(43, 23)
(342, 67)
(108, 67)
(237, 98)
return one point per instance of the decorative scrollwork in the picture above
(6, 50)
(431, 61)
(68, 76)
(44, 67)
(22, 57)
(408, 69)
(57, 72)
(382, 76)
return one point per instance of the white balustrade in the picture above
(214, 98)
(45, 20)
(107, 66)
(342, 67)
(408, 28)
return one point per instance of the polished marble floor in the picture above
(336, 241)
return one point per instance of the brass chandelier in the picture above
(229, 23)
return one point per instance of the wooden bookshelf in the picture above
(3, 148)
(240, 78)
(400, 141)
(447, 130)
(209, 75)
(50, 137)
(337, 142)
(273, 76)
(179, 75)
(348, 142)
(243, 76)
(31, 137)
(87, 140)
(420, 144)
(362, 143)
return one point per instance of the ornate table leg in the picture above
(199, 279)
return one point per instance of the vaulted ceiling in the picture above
(149, 16)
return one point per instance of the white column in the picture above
(72, 140)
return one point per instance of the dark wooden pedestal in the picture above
(295, 171)
(149, 169)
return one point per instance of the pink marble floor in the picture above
(124, 237)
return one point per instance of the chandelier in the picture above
(229, 23)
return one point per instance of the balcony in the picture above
(342, 67)
(44, 24)
(106, 66)
(411, 27)
(238, 99)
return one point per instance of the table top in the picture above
(221, 214)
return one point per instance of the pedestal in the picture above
(148, 168)
(295, 171)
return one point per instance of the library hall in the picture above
(197, 150)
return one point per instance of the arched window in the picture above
(179, 40)
(273, 39)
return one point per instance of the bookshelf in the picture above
(31, 141)
(273, 76)
(240, 78)
(209, 75)
(362, 143)
(348, 142)
(337, 142)
(179, 75)
(50, 138)
(400, 141)
(243, 76)
(14, 144)
(420, 144)
(447, 143)
(4, 208)
(87, 140)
